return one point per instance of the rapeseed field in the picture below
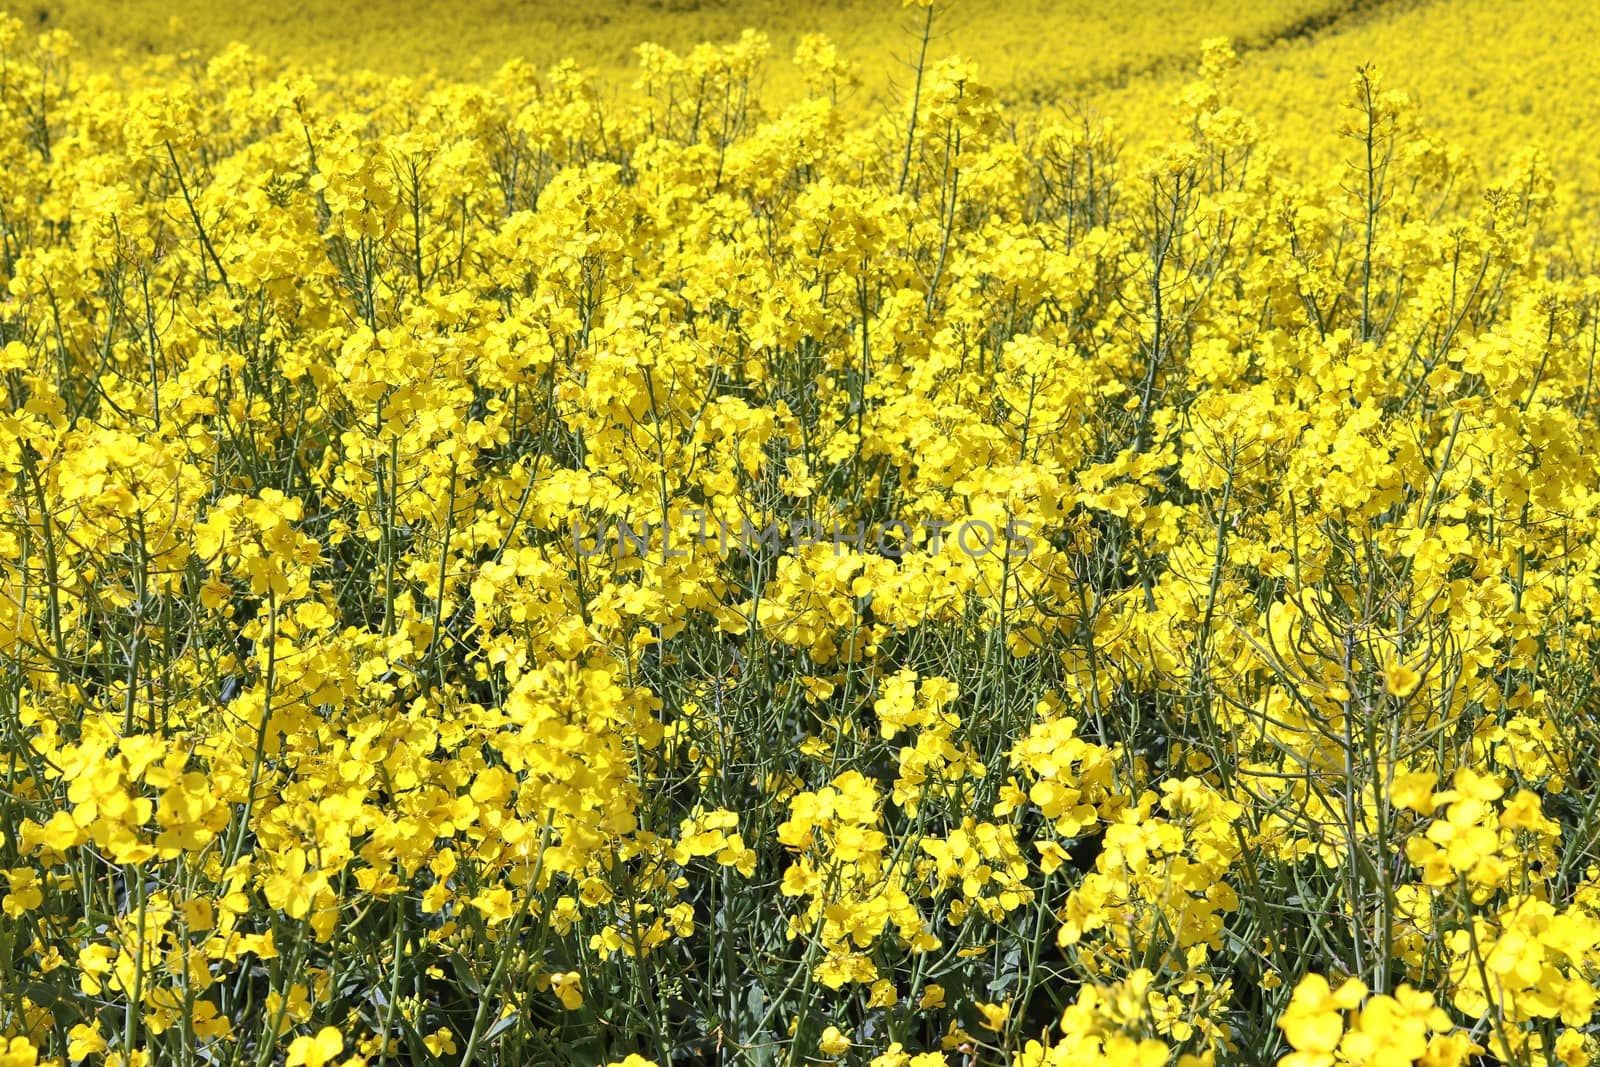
(881, 534)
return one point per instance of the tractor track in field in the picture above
(1306, 28)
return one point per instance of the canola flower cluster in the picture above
(326, 742)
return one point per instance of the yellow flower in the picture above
(495, 904)
(85, 1039)
(1313, 1023)
(1573, 1049)
(18, 1052)
(441, 1042)
(1400, 680)
(994, 1015)
(1414, 791)
(568, 988)
(894, 1056)
(316, 1051)
(833, 1042)
(25, 894)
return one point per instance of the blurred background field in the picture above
(1488, 74)
(1026, 44)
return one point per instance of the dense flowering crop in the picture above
(1027, 46)
(499, 573)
